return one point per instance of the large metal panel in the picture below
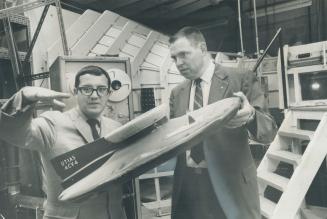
(122, 37)
(149, 77)
(73, 33)
(94, 33)
(100, 49)
(159, 48)
(137, 40)
(131, 50)
(147, 64)
(107, 40)
(155, 59)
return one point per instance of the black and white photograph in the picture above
(163, 109)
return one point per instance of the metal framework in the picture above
(37, 31)
(7, 14)
(12, 48)
(24, 7)
(13, 11)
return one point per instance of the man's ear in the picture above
(75, 91)
(203, 47)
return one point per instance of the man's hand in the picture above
(244, 115)
(35, 94)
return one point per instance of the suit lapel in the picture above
(105, 125)
(184, 98)
(81, 125)
(219, 85)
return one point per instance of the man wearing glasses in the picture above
(54, 133)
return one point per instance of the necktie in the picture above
(93, 123)
(197, 153)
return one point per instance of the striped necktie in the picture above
(197, 153)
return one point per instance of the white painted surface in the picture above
(49, 33)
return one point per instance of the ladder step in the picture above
(267, 207)
(296, 133)
(274, 180)
(285, 156)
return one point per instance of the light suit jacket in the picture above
(230, 165)
(54, 133)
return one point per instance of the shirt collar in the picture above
(207, 75)
(85, 118)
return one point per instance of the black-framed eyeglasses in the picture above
(88, 91)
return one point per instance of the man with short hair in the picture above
(216, 179)
(54, 133)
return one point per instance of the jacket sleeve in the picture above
(263, 128)
(18, 127)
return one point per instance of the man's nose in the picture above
(94, 94)
(179, 61)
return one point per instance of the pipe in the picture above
(282, 65)
(256, 28)
(62, 29)
(240, 26)
(266, 50)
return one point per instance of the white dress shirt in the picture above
(205, 86)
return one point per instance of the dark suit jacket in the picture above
(230, 164)
(51, 134)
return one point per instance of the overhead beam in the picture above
(189, 8)
(247, 5)
(282, 7)
(121, 3)
(214, 13)
(213, 24)
(84, 2)
(141, 6)
(164, 9)
(283, 19)
(178, 9)
(179, 4)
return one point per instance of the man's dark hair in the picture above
(193, 34)
(92, 70)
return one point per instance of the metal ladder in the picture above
(287, 148)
